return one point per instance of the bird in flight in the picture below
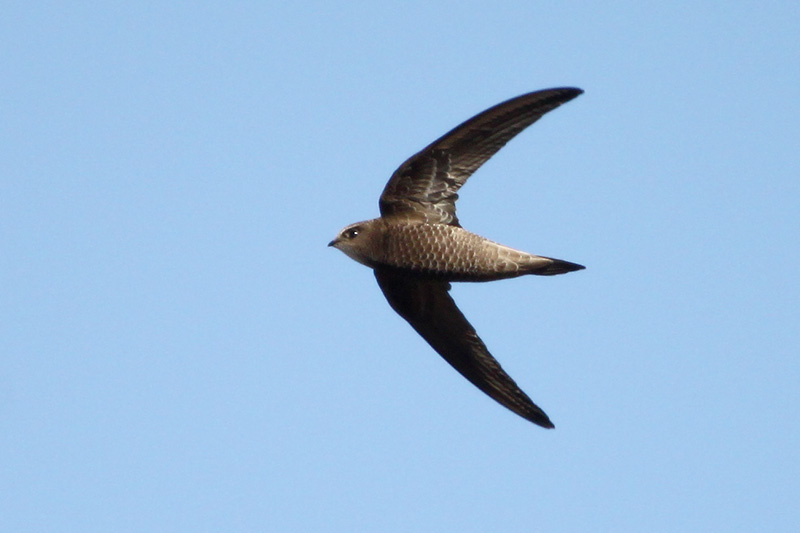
(417, 246)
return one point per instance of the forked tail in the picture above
(555, 266)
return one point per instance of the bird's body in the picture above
(445, 252)
(417, 246)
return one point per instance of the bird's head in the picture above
(357, 241)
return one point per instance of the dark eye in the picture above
(351, 233)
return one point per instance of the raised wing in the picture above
(425, 186)
(430, 310)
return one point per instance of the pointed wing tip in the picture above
(540, 419)
(574, 90)
(569, 93)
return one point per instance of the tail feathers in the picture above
(554, 266)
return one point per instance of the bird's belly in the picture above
(450, 253)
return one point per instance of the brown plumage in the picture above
(417, 246)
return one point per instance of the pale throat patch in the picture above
(355, 256)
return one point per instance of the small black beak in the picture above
(332, 243)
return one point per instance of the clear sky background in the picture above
(180, 351)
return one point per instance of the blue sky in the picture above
(180, 351)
